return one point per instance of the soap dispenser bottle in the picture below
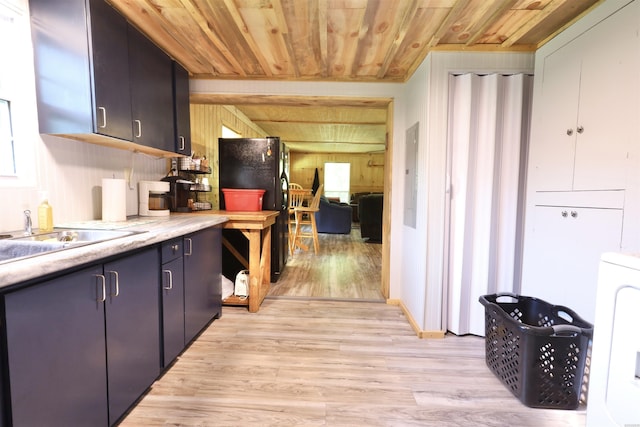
(45, 215)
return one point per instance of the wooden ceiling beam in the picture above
(319, 122)
(285, 100)
(326, 141)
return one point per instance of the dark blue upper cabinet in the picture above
(109, 42)
(182, 115)
(151, 80)
(98, 78)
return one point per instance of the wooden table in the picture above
(256, 228)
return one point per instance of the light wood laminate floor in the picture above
(332, 363)
(346, 267)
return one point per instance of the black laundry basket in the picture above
(538, 350)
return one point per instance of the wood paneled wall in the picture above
(206, 127)
(367, 170)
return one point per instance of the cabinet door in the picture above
(608, 102)
(562, 257)
(151, 93)
(172, 309)
(182, 113)
(202, 273)
(132, 328)
(555, 115)
(56, 352)
(110, 51)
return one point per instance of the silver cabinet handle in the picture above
(574, 214)
(103, 298)
(580, 129)
(564, 214)
(139, 123)
(104, 117)
(181, 143)
(175, 248)
(115, 275)
(569, 131)
(190, 251)
(170, 275)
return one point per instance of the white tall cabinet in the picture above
(583, 179)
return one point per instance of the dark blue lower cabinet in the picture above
(56, 352)
(83, 347)
(202, 280)
(132, 313)
(172, 309)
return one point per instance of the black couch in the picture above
(370, 212)
(333, 218)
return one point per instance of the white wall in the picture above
(427, 100)
(70, 171)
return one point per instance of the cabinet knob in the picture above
(574, 214)
(580, 129)
(569, 131)
(564, 214)
(175, 247)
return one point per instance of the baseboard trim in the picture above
(414, 325)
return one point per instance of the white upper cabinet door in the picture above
(555, 115)
(608, 102)
(586, 115)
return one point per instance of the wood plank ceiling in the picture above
(336, 40)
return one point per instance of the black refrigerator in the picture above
(253, 163)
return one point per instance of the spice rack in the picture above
(191, 170)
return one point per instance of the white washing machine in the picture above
(614, 379)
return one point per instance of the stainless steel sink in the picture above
(76, 236)
(38, 244)
(11, 250)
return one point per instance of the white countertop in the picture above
(152, 230)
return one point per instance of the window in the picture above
(337, 180)
(229, 133)
(7, 159)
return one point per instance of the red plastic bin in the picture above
(236, 199)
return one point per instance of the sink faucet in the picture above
(27, 223)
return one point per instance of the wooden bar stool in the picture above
(296, 198)
(306, 215)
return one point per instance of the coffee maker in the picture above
(179, 193)
(152, 198)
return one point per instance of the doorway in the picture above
(487, 144)
(328, 103)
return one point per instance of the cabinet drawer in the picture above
(171, 250)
